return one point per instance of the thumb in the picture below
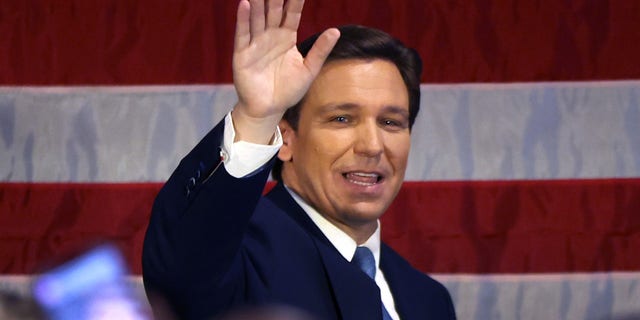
(321, 49)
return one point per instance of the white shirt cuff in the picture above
(241, 158)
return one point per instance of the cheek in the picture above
(329, 146)
(398, 151)
(315, 157)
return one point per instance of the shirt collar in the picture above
(340, 240)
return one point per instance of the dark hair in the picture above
(359, 42)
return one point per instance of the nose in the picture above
(369, 140)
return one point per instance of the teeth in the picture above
(362, 174)
(362, 178)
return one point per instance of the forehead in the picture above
(366, 83)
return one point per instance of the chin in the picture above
(366, 212)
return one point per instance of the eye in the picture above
(389, 122)
(394, 124)
(343, 119)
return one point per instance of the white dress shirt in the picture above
(347, 248)
(241, 158)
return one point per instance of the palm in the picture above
(270, 75)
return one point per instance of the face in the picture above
(349, 154)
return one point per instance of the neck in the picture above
(359, 231)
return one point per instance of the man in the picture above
(214, 243)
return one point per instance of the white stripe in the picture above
(570, 130)
(200, 87)
(614, 295)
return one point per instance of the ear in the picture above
(288, 139)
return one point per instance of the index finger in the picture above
(292, 14)
(274, 13)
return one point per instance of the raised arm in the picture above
(269, 73)
(191, 249)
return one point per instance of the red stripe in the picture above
(447, 227)
(51, 42)
(43, 223)
(517, 226)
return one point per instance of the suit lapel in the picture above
(355, 294)
(400, 284)
(281, 198)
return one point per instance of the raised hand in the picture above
(269, 73)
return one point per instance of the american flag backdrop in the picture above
(523, 186)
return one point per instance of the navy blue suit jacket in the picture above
(215, 243)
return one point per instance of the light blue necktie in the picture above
(363, 258)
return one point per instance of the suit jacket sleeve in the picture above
(192, 245)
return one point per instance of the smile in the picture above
(363, 178)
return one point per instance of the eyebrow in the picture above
(352, 106)
(338, 107)
(395, 109)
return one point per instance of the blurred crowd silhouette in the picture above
(94, 286)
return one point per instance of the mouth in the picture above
(363, 178)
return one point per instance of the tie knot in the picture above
(364, 259)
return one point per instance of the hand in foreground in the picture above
(269, 73)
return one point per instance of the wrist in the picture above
(254, 129)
